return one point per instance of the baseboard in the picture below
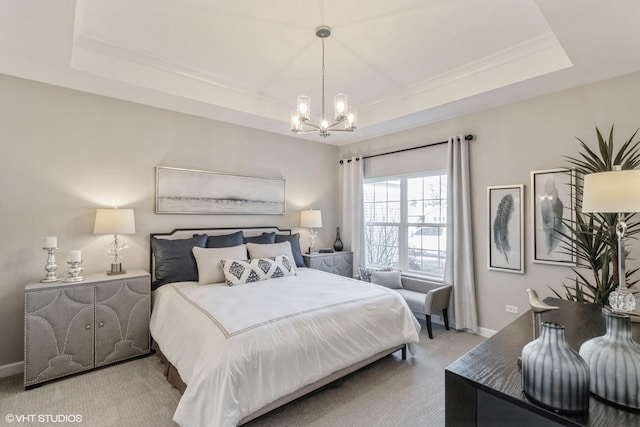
(484, 332)
(438, 319)
(11, 369)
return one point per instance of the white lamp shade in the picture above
(612, 192)
(114, 221)
(311, 219)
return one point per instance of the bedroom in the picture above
(67, 152)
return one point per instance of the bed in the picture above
(240, 351)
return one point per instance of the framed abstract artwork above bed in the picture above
(187, 191)
(552, 206)
(506, 231)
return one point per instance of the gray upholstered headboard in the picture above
(185, 233)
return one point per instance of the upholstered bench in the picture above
(422, 296)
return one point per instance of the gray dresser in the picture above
(74, 327)
(336, 262)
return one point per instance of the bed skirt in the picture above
(173, 377)
(170, 371)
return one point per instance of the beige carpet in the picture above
(390, 392)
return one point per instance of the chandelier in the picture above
(344, 118)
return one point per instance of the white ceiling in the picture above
(403, 63)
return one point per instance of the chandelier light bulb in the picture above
(295, 122)
(340, 103)
(351, 119)
(303, 103)
(324, 123)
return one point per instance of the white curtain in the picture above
(459, 262)
(352, 171)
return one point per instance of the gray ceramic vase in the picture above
(338, 245)
(553, 374)
(614, 363)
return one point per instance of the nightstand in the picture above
(335, 262)
(74, 327)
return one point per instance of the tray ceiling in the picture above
(403, 63)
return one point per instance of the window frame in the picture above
(404, 224)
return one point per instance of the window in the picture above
(406, 223)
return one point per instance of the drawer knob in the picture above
(101, 324)
(88, 327)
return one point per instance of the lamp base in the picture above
(116, 269)
(622, 300)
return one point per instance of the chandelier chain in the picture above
(323, 111)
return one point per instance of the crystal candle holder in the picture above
(74, 272)
(51, 266)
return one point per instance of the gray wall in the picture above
(65, 153)
(510, 142)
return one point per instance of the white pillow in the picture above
(257, 250)
(208, 262)
(389, 279)
(237, 272)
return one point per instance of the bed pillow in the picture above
(365, 273)
(208, 261)
(257, 250)
(294, 241)
(263, 239)
(389, 279)
(225, 240)
(237, 272)
(174, 260)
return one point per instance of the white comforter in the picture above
(240, 348)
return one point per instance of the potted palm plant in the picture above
(591, 237)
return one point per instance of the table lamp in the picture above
(115, 221)
(311, 219)
(615, 192)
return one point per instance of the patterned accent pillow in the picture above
(237, 272)
(365, 273)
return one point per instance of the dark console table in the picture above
(483, 387)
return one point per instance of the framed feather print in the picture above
(506, 228)
(552, 206)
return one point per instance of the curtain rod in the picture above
(466, 137)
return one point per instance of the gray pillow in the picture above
(263, 239)
(389, 279)
(365, 273)
(225, 240)
(174, 260)
(294, 240)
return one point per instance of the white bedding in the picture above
(240, 348)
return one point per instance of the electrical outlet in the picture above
(512, 309)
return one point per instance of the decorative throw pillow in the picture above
(263, 239)
(237, 272)
(269, 251)
(225, 240)
(389, 279)
(208, 261)
(174, 261)
(365, 273)
(294, 241)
